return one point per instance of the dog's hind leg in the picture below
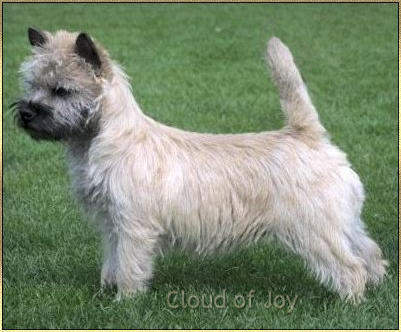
(327, 253)
(363, 246)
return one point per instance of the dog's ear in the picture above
(86, 49)
(36, 37)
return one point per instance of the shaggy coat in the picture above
(149, 185)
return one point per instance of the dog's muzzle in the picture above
(26, 112)
(27, 115)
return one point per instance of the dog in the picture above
(149, 186)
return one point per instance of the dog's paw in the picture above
(128, 293)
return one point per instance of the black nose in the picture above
(27, 115)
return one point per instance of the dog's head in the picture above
(63, 83)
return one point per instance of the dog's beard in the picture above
(45, 127)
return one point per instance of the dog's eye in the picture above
(60, 92)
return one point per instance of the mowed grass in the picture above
(200, 67)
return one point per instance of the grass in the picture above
(200, 67)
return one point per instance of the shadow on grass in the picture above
(259, 268)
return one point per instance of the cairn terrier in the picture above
(149, 185)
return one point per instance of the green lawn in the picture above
(200, 67)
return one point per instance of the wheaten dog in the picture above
(149, 185)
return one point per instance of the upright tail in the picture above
(295, 101)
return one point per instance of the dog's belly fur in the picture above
(226, 190)
(215, 206)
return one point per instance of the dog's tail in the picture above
(295, 101)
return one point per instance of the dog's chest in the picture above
(87, 185)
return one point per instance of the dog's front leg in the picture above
(108, 274)
(134, 259)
